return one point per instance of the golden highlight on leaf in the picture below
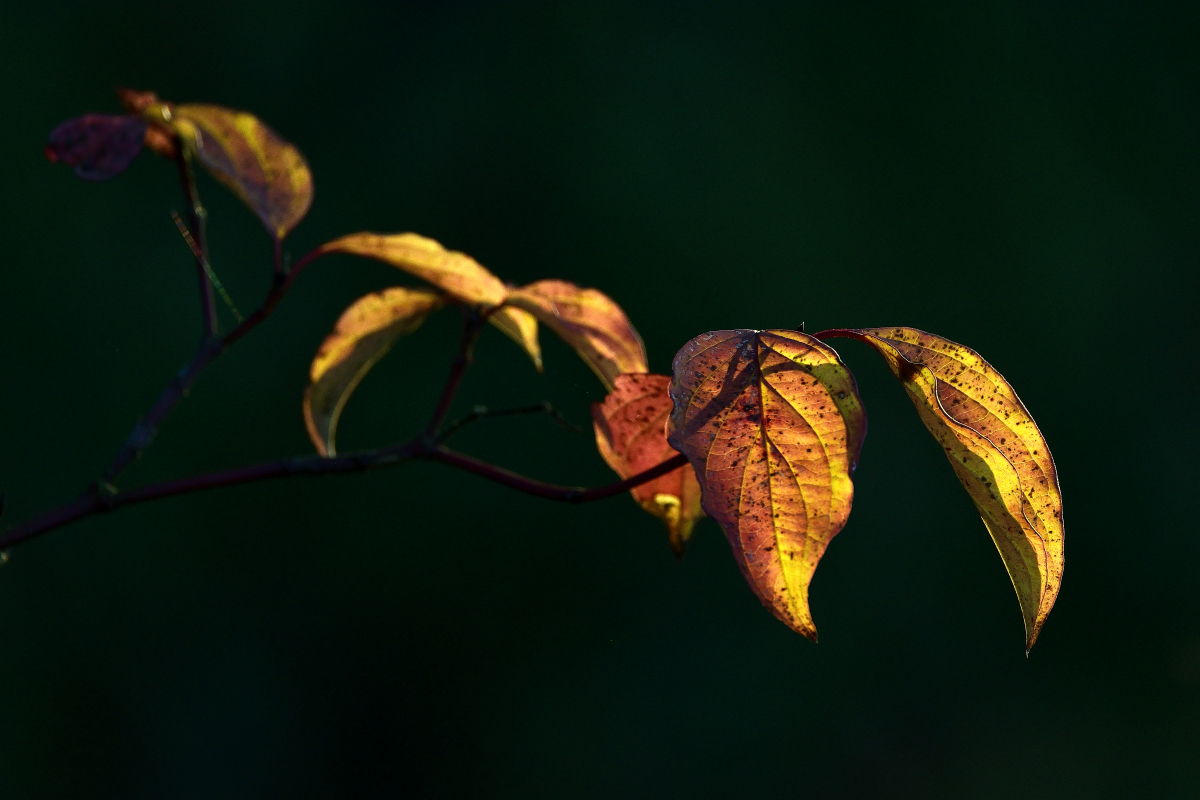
(772, 423)
(266, 172)
(522, 327)
(363, 335)
(457, 273)
(631, 435)
(589, 321)
(996, 450)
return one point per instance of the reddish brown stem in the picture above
(283, 282)
(566, 494)
(472, 325)
(101, 501)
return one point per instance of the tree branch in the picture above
(198, 218)
(472, 325)
(106, 499)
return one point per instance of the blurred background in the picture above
(1019, 177)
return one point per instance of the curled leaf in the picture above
(98, 146)
(266, 172)
(772, 423)
(590, 322)
(631, 435)
(363, 335)
(997, 452)
(456, 273)
(522, 328)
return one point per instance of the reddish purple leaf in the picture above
(98, 146)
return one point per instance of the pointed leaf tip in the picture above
(363, 334)
(590, 322)
(269, 174)
(456, 273)
(772, 423)
(522, 327)
(996, 450)
(631, 435)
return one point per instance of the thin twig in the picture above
(479, 412)
(472, 325)
(208, 270)
(198, 218)
(109, 499)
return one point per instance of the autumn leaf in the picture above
(590, 322)
(363, 335)
(98, 146)
(631, 435)
(266, 172)
(522, 328)
(996, 450)
(772, 423)
(456, 273)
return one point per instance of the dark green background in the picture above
(1019, 177)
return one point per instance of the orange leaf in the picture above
(631, 435)
(363, 335)
(457, 273)
(997, 452)
(266, 172)
(590, 322)
(772, 423)
(522, 328)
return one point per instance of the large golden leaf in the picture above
(522, 327)
(266, 172)
(772, 423)
(631, 435)
(363, 335)
(457, 273)
(590, 322)
(996, 450)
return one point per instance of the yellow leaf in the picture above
(266, 172)
(590, 322)
(456, 273)
(363, 335)
(631, 435)
(522, 328)
(772, 424)
(996, 450)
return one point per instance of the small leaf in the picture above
(997, 452)
(266, 172)
(522, 328)
(590, 322)
(456, 273)
(98, 146)
(772, 423)
(631, 435)
(363, 335)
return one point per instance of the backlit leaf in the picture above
(98, 146)
(363, 335)
(590, 322)
(266, 172)
(457, 273)
(522, 328)
(631, 435)
(996, 450)
(772, 423)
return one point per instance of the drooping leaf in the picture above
(631, 435)
(772, 423)
(522, 328)
(266, 172)
(590, 322)
(98, 146)
(456, 273)
(363, 335)
(996, 450)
